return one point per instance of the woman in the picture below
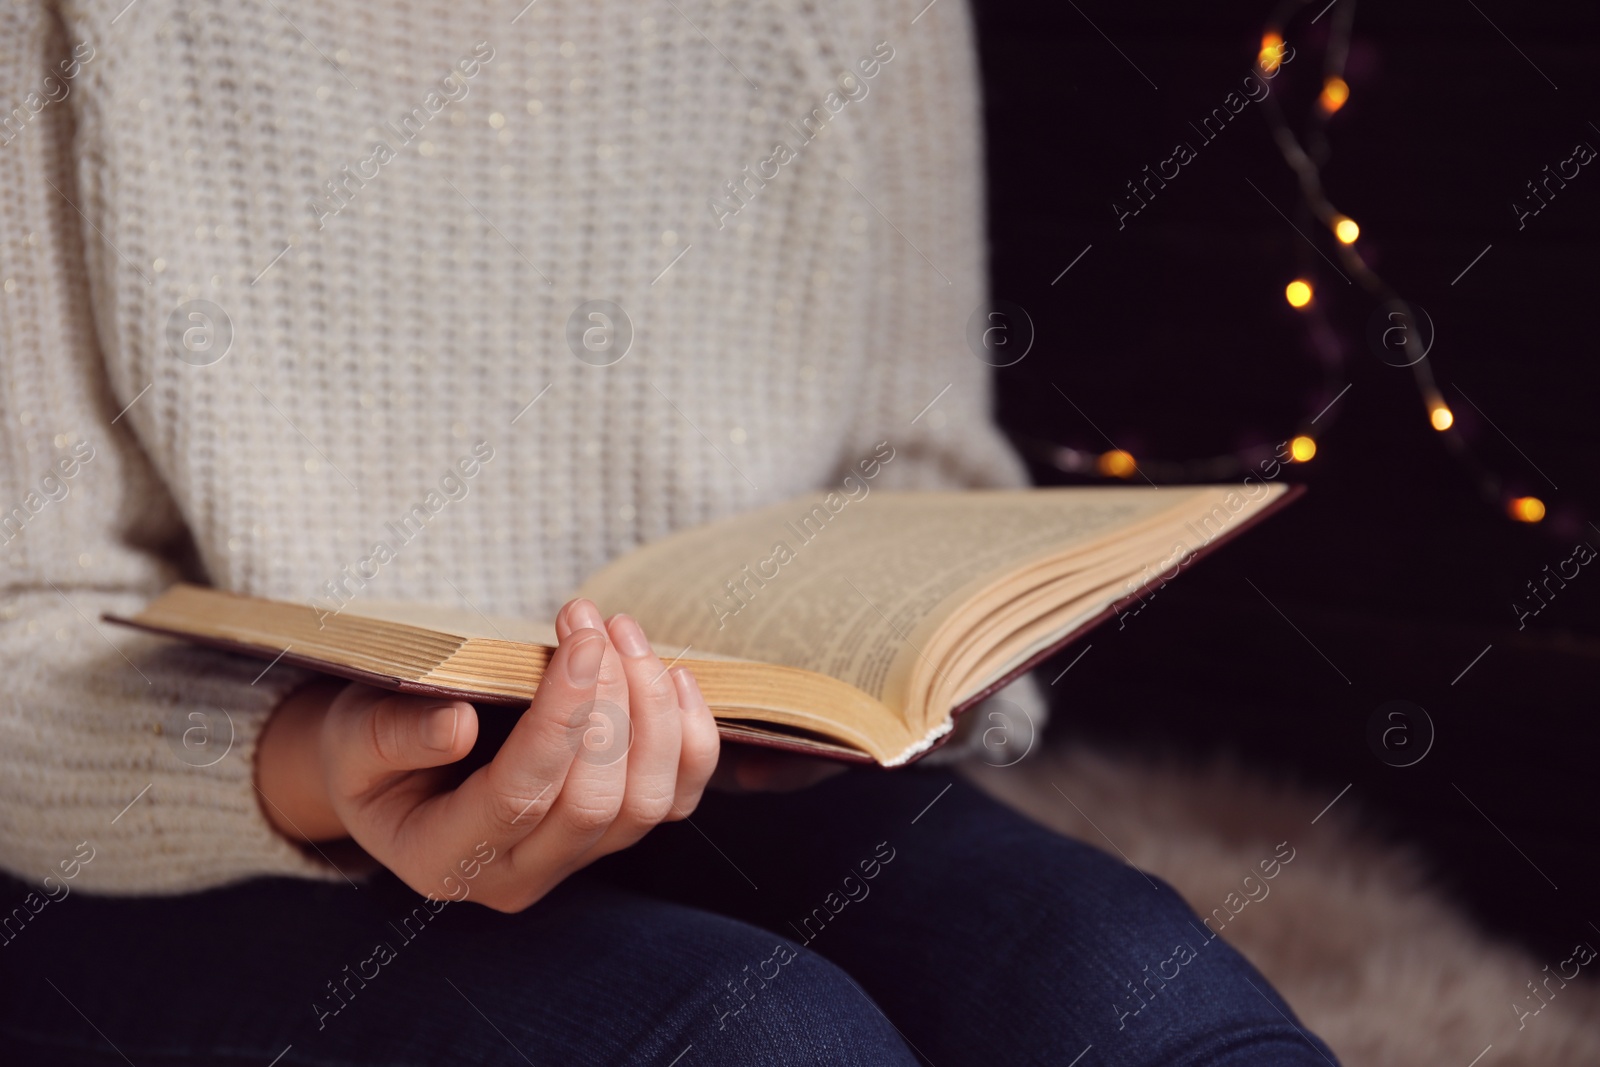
(571, 276)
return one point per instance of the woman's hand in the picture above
(612, 744)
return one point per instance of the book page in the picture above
(839, 585)
(466, 622)
(461, 622)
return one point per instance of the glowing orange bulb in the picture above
(1302, 448)
(1117, 464)
(1526, 509)
(1271, 56)
(1441, 417)
(1335, 92)
(1346, 230)
(1298, 293)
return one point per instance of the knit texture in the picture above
(392, 213)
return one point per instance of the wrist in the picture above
(288, 768)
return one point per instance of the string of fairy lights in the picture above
(1306, 155)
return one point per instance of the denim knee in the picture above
(1080, 948)
(780, 1003)
(1155, 985)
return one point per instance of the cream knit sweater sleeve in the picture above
(106, 737)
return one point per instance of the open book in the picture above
(848, 627)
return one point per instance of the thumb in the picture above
(376, 733)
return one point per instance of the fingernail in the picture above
(629, 637)
(585, 614)
(688, 689)
(439, 731)
(583, 661)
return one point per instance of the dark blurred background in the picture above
(1173, 339)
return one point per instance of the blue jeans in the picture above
(878, 919)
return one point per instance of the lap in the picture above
(592, 975)
(769, 928)
(983, 935)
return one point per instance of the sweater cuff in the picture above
(161, 791)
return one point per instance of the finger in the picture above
(600, 734)
(376, 734)
(564, 625)
(504, 800)
(701, 745)
(657, 722)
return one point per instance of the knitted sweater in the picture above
(284, 280)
